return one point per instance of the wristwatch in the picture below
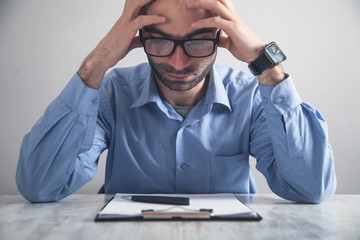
(268, 58)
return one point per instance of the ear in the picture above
(224, 40)
(135, 43)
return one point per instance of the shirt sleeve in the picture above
(60, 153)
(289, 139)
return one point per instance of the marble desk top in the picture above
(73, 218)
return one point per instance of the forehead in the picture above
(178, 16)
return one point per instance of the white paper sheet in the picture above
(221, 204)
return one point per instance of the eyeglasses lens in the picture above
(193, 48)
(159, 47)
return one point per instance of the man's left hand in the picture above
(241, 41)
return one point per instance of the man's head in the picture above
(179, 71)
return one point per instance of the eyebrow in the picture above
(189, 35)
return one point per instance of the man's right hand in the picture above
(117, 43)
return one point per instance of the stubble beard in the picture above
(199, 71)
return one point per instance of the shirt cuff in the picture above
(282, 98)
(79, 97)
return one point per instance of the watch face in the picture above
(274, 53)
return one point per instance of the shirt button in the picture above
(264, 100)
(184, 166)
(278, 100)
(94, 101)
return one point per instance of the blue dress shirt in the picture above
(152, 149)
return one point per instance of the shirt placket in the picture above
(183, 166)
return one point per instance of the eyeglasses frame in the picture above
(180, 43)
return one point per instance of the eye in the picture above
(195, 43)
(156, 41)
(159, 47)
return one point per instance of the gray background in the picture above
(42, 44)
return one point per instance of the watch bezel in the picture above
(271, 59)
(267, 59)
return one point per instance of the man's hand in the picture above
(241, 41)
(117, 43)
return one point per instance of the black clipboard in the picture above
(177, 213)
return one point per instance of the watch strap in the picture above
(259, 64)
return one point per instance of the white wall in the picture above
(42, 44)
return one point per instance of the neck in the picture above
(183, 98)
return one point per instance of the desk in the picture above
(73, 218)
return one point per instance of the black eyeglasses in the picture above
(164, 47)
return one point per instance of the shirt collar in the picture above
(216, 92)
(149, 92)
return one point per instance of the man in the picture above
(179, 124)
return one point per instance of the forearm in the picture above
(293, 151)
(117, 43)
(50, 165)
(92, 70)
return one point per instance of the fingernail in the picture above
(189, 3)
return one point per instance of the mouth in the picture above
(177, 77)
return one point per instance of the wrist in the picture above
(272, 76)
(268, 58)
(92, 71)
(255, 53)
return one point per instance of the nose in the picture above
(179, 60)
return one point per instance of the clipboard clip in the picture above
(182, 213)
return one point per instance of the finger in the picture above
(146, 20)
(214, 6)
(228, 4)
(128, 30)
(133, 7)
(213, 22)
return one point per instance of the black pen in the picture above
(159, 199)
